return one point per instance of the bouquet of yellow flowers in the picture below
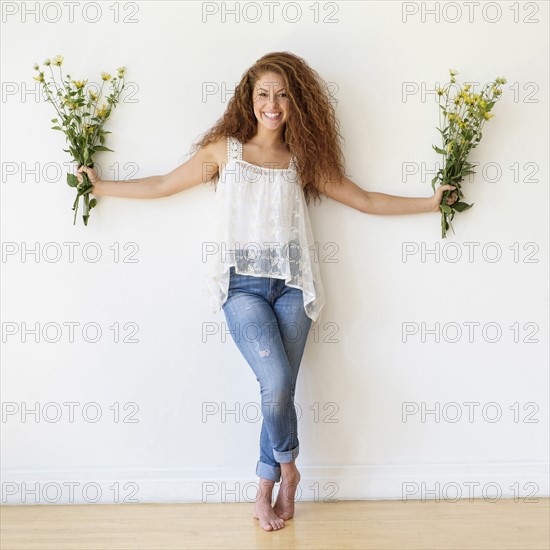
(81, 120)
(464, 115)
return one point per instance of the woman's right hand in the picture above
(92, 174)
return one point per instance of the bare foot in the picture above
(284, 504)
(269, 520)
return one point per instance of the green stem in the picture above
(83, 190)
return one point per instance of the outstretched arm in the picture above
(198, 169)
(370, 202)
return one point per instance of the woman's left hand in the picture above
(438, 195)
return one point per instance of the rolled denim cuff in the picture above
(266, 471)
(283, 457)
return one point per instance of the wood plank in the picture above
(363, 525)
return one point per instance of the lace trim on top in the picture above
(235, 152)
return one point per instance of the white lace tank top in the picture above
(263, 229)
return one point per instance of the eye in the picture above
(283, 94)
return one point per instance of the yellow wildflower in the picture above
(40, 77)
(69, 103)
(102, 111)
(79, 83)
(121, 71)
(47, 62)
(58, 60)
(440, 91)
(93, 96)
(105, 76)
(487, 116)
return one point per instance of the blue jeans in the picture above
(268, 323)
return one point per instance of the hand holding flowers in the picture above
(464, 116)
(81, 119)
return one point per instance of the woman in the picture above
(281, 121)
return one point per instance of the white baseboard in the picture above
(525, 482)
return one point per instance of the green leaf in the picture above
(438, 150)
(445, 208)
(461, 206)
(93, 202)
(72, 180)
(54, 119)
(102, 148)
(56, 128)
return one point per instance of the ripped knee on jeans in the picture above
(262, 352)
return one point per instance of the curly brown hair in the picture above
(311, 132)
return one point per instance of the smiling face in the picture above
(270, 101)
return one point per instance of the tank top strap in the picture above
(234, 149)
(292, 164)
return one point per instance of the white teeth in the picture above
(272, 115)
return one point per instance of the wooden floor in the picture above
(317, 525)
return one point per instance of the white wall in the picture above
(357, 372)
